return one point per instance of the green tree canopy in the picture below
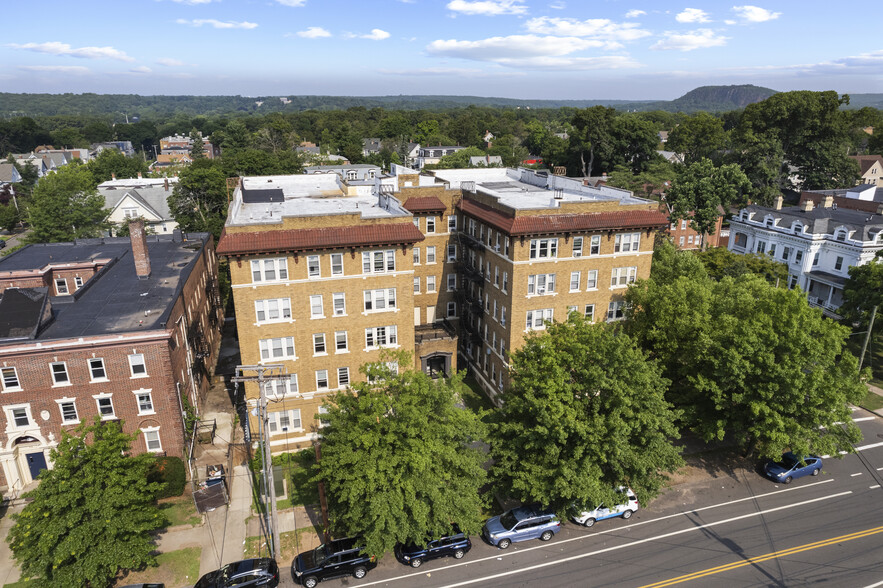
(457, 159)
(399, 459)
(720, 262)
(199, 200)
(111, 162)
(92, 513)
(654, 181)
(585, 413)
(750, 361)
(9, 216)
(862, 291)
(592, 141)
(65, 205)
(197, 149)
(700, 136)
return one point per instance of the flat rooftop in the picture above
(114, 300)
(267, 199)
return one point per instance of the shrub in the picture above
(170, 472)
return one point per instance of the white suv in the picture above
(628, 507)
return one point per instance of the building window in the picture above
(59, 374)
(543, 248)
(505, 281)
(416, 285)
(105, 406)
(575, 279)
(11, 383)
(772, 249)
(761, 247)
(319, 344)
(272, 310)
(380, 300)
(838, 264)
(452, 223)
(151, 439)
(792, 282)
(615, 310)
(316, 307)
(61, 286)
(68, 408)
(378, 262)
(282, 421)
(430, 224)
(280, 348)
(452, 309)
(690, 239)
(621, 276)
(627, 242)
(321, 379)
(683, 224)
(452, 282)
(590, 312)
(19, 417)
(452, 252)
(96, 369)
(430, 254)
(78, 282)
(536, 319)
(503, 315)
(430, 283)
(815, 259)
(592, 282)
(377, 337)
(137, 367)
(281, 386)
(798, 256)
(571, 309)
(786, 254)
(497, 276)
(595, 247)
(313, 269)
(681, 241)
(343, 377)
(577, 246)
(145, 401)
(340, 341)
(416, 254)
(337, 264)
(540, 284)
(269, 270)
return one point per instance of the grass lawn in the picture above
(175, 569)
(474, 398)
(291, 543)
(872, 401)
(180, 510)
(23, 584)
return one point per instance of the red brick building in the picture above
(118, 328)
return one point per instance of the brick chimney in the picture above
(828, 202)
(166, 184)
(113, 176)
(139, 175)
(808, 205)
(138, 236)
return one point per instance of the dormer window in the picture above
(768, 221)
(797, 227)
(840, 235)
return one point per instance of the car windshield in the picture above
(319, 555)
(789, 462)
(508, 520)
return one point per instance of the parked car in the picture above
(456, 546)
(520, 524)
(625, 509)
(256, 572)
(2, 243)
(335, 559)
(791, 466)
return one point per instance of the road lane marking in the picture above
(871, 446)
(873, 487)
(638, 542)
(766, 557)
(605, 532)
(877, 585)
(854, 475)
(862, 419)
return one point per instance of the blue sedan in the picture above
(791, 466)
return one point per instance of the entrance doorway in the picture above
(36, 463)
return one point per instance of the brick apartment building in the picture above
(686, 237)
(461, 261)
(119, 328)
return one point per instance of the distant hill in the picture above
(710, 99)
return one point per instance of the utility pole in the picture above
(861, 357)
(263, 374)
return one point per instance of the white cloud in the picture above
(574, 63)
(218, 24)
(71, 69)
(193, 2)
(730, 22)
(292, 3)
(375, 35)
(487, 7)
(611, 33)
(634, 13)
(698, 39)
(141, 69)
(864, 64)
(558, 5)
(169, 62)
(56, 48)
(313, 33)
(463, 72)
(692, 15)
(755, 13)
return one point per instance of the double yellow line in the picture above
(768, 556)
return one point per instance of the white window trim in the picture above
(147, 430)
(103, 366)
(149, 392)
(67, 400)
(17, 379)
(10, 419)
(321, 302)
(132, 373)
(98, 397)
(324, 344)
(280, 358)
(66, 371)
(263, 303)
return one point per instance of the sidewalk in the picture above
(879, 392)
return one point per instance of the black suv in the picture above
(456, 545)
(249, 572)
(341, 557)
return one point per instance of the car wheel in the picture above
(415, 563)
(816, 472)
(359, 573)
(627, 514)
(588, 522)
(504, 544)
(546, 535)
(459, 554)
(310, 582)
(787, 480)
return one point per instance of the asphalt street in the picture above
(734, 530)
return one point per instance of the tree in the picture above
(762, 159)
(399, 459)
(750, 362)
(585, 413)
(9, 216)
(636, 141)
(199, 200)
(92, 513)
(654, 181)
(701, 191)
(458, 159)
(65, 205)
(701, 136)
(720, 262)
(591, 138)
(197, 149)
(110, 163)
(863, 291)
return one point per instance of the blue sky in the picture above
(566, 49)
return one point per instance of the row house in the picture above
(124, 329)
(180, 145)
(818, 243)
